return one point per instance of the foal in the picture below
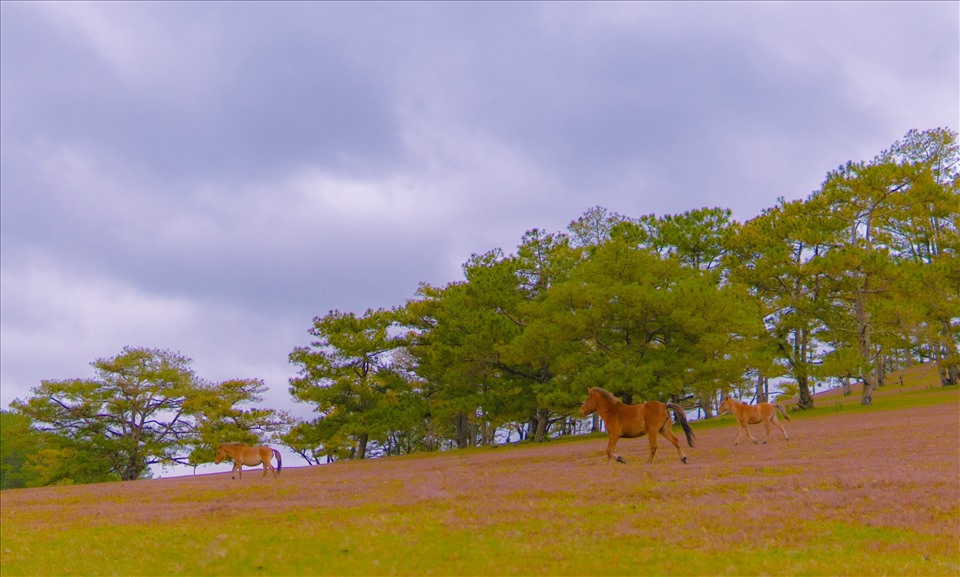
(746, 415)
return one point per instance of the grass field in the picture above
(857, 491)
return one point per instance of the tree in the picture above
(855, 201)
(646, 325)
(771, 255)
(890, 223)
(453, 340)
(699, 238)
(924, 240)
(144, 407)
(131, 414)
(594, 227)
(222, 413)
(528, 361)
(305, 440)
(479, 348)
(350, 372)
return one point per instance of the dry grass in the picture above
(855, 492)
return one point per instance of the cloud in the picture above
(54, 317)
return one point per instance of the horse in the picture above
(631, 421)
(746, 415)
(250, 456)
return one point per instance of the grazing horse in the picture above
(250, 456)
(631, 421)
(746, 415)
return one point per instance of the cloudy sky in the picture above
(208, 177)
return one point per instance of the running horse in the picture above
(631, 421)
(747, 415)
(250, 456)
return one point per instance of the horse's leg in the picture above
(237, 466)
(268, 465)
(611, 445)
(766, 425)
(668, 433)
(653, 445)
(746, 427)
(782, 430)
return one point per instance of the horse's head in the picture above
(221, 455)
(589, 406)
(724, 406)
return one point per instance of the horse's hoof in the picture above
(620, 460)
(683, 460)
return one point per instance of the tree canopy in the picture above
(860, 275)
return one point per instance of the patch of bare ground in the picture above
(892, 469)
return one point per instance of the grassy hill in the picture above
(857, 491)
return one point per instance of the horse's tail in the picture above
(681, 417)
(783, 410)
(276, 454)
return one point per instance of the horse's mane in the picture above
(608, 396)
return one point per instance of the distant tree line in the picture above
(860, 276)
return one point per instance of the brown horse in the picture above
(746, 415)
(250, 456)
(631, 421)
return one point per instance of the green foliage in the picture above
(354, 374)
(130, 415)
(221, 413)
(32, 458)
(18, 441)
(699, 238)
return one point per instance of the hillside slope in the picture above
(860, 492)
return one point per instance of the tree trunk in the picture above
(129, 473)
(869, 386)
(800, 369)
(881, 370)
(362, 445)
(864, 338)
(763, 388)
(462, 430)
(706, 403)
(806, 399)
(488, 434)
(938, 353)
(542, 422)
(595, 426)
(952, 352)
